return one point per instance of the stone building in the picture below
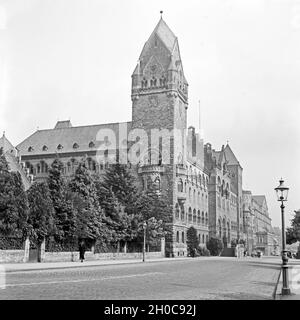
(225, 181)
(170, 156)
(14, 163)
(258, 231)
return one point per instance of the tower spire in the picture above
(161, 13)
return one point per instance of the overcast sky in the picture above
(73, 59)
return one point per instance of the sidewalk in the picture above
(294, 282)
(18, 267)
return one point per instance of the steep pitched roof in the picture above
(5, 144)
(10, 154)
(231, 158)
(15, 166)
(47, 141)
(260, 199)
(165, 34)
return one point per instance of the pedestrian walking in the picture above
(81, 250)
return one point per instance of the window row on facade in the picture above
(193, 216)
(60, 147)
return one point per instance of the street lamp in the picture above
(144, 244)
(282, 193)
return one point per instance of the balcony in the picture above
(151, 168)
(181, 170)
(181, 196)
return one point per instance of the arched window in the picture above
(198, 217)
(203, 239)
(38, 168)
(177, 211)
(75, 146)
(177, 236)
(45, 148)
(59, 147)
(194, 196)
(180, 185)
(182, 213)
(190, 194)
(91, 144)
(182, 236)
(199, 237)
(194, 216)
(199, 198)
(206, 218)
(190, 217)
(30, 149)
(202, 217)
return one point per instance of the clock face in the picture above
(153, 100)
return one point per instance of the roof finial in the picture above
(161, 12)
(3, 133)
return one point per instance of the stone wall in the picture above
(11, 256)
(89, 256)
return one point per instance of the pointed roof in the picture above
(230, 156)
(165, 34)
(260, 199)
(6, 145)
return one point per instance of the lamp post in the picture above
(144, 244)
(282, 193)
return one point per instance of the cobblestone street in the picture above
(200, 278)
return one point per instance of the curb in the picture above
(39, 268)
(275, 295)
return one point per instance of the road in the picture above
(199, 278)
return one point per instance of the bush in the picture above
(202, 251)
(192, 242)
(215, 246)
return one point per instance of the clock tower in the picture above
(159, 104)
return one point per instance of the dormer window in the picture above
(75, 146)
(30, 149)
(59, 147)
(91, 144)
(45, 148)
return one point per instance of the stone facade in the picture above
(204, 186)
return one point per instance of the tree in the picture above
(121, 183)
(154, 231)
(64, 215)
(41, 211)
(90, 222)
(192, 241)
(117, 195)
(293, 233)
(153, 203)
(13, 202)
(215, 246)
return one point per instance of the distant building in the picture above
(14, 164)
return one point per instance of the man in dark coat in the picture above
(81, 250)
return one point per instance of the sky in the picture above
(73, 59)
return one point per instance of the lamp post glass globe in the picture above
(282, 191)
